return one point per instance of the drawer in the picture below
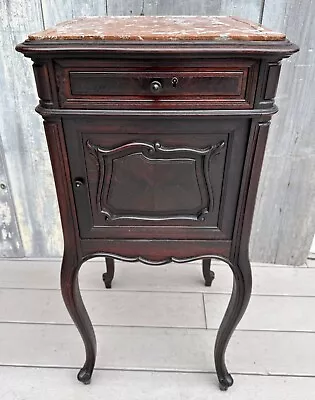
(180, 181)
(148, 84)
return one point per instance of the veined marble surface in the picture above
(143, 28)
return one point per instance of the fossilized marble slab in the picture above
(158, 29)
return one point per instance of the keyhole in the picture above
(174, 82)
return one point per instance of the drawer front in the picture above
(181, 180)
(134, 84)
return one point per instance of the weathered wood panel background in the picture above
(284, 222)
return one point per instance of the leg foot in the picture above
(226, 382)
(108, 276)
(242, 285)
(207, 273)
(85, 375)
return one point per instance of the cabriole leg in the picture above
(108, 276)
(206, 271)
(242, 285)
(73, 301)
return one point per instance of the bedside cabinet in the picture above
(156, 128)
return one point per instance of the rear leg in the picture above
(108, 276)
(207, 273)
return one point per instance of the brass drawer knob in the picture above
(156, 86)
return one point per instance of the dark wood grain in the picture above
(211, 190)
(155, 252)
(154, 170)
(200, 84)
(165, 50)
(152, 182)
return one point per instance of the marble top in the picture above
(143, 28)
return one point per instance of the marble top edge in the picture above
(158, 28)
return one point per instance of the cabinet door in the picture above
(156, 177)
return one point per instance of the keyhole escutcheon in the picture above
(174, 82)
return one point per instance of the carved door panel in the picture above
(132, 177)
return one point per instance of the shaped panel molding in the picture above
(149, 181)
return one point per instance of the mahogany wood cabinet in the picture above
(156, 129)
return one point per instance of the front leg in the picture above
(242, 285)
(108, 276)
(73, 301)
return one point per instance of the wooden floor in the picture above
(156, 329)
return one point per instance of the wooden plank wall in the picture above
(10, 239)
(284, 221)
